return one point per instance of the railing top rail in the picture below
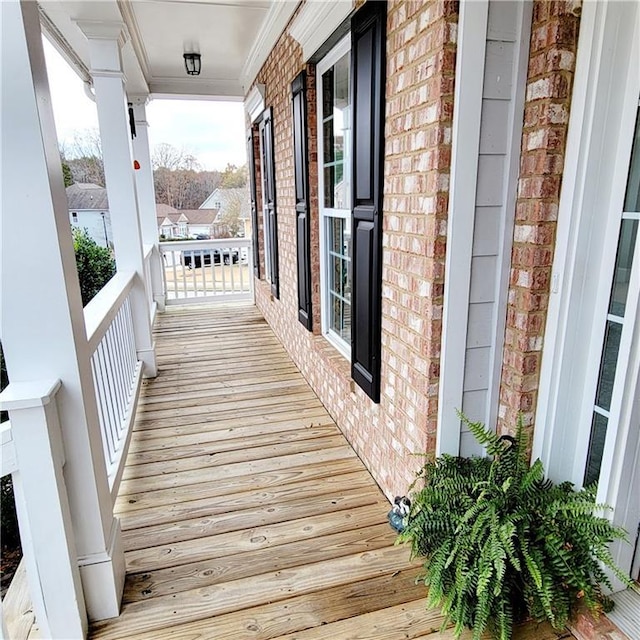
(101, 311)
(181, 245)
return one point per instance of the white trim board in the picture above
(316, 22)
(467, 106)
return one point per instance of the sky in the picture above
(211, 131)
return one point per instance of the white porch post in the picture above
(108, 80)
(43, 330)
(147, 195)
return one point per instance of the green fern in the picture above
(501, 542)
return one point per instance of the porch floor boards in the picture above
(245, 513)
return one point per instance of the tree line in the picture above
(179, 179)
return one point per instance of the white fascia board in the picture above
(276, 20)
(316, 22)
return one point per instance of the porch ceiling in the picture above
(233, 37)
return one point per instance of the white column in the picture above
(147, 195)
(46, 532)
(105, 39)
(43, 330)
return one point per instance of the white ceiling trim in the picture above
(316, 22)
(241, 4)
(274, 23)
(63, 47)
(179, 88)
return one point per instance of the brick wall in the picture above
(554, 39)
(420, 77)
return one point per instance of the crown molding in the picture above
(103, 30)
(274, 23)
(317, 21)
(129, 18)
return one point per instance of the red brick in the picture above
(553, 48)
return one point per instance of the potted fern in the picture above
(502, 543)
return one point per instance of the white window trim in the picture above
(343, 47)
(603, 112)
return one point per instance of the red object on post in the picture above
(136, 165)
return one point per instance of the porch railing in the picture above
(148, 279)
(117, 372)
(197, 271)
(33, 453)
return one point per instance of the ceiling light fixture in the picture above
(192, 63)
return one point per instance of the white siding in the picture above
(493, 219)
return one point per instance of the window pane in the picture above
(336, 241)
(328, 141)
(339, 275)
(608, 365)
(335, 135)
(346, 322)
(622, 273)
(329, 186)
(327, 93)
(632, 198)
(596, 449)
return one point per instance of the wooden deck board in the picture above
(245, 514)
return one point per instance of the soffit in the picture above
(232, 36)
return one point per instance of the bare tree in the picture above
(234, 201)
(177, 177)
(83, 155)
(166, 156)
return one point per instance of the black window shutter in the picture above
(303, 239)
(269, 197)
(368, 43)
(254, 204)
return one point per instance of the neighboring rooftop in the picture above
(85, 195)
(191, 216)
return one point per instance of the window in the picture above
(269, 209)
(74, 217)
(300, 164)
(254, 203)
(334, 153)
(350, 114)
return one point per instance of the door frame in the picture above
(603, 114)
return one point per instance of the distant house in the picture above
(225, 200)
(89, 209)
(186, 223)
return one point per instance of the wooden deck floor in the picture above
(245, 513)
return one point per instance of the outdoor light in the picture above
(192, 63)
